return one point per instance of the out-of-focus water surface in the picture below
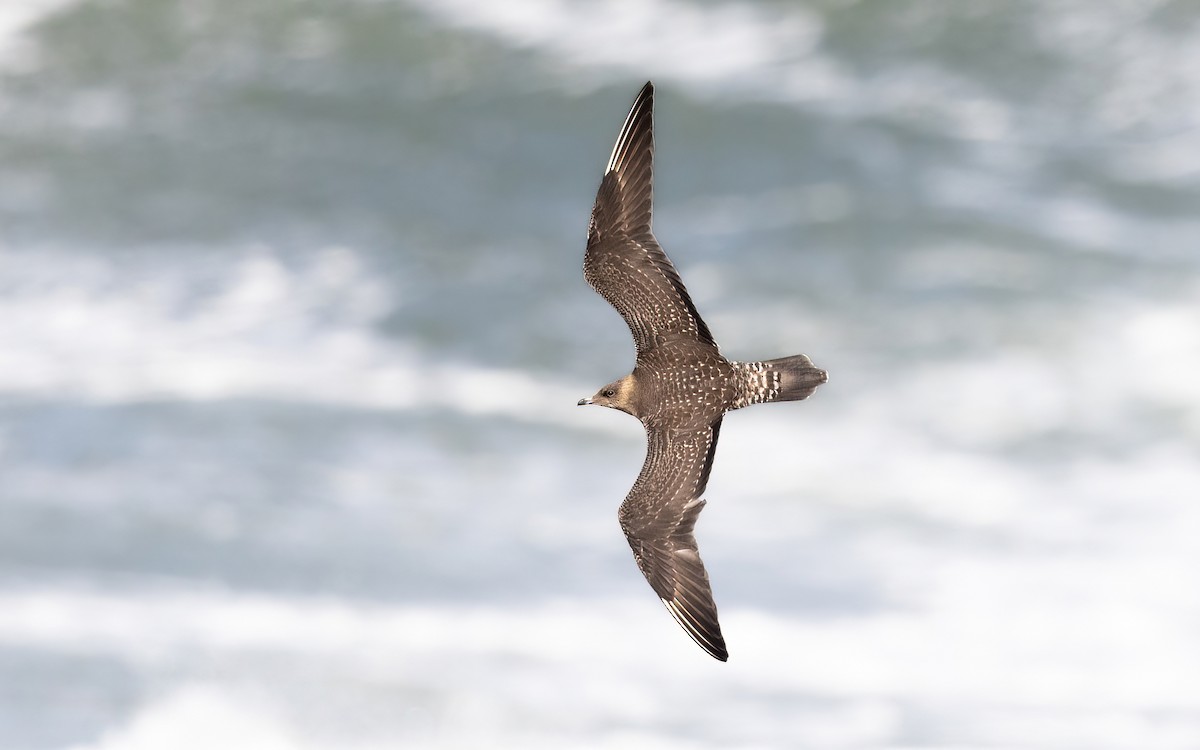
(292, 327)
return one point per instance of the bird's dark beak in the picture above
(584, 402)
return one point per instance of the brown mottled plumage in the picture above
(680, 387)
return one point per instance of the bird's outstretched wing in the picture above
(658, 517)
(624, 263)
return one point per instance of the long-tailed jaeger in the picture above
(680, 387)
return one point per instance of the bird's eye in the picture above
(609, 393)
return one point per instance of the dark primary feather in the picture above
(658, 518)
(624, 262)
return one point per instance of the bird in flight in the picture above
(680, 388)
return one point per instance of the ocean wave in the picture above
(16, 17)
(680, 41)
(92, 329)
(772, 52)
(1060, 662)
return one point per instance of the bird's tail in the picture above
(798, 377)
(785, 379)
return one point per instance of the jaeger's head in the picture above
(616, 395)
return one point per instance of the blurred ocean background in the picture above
(292, 328)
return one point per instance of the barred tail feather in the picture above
(784, 379)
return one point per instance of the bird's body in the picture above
(681, 386)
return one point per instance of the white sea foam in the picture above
(81, 327)
(1149, 100)
(704, 45)
(16, 16)
(989, 642)
(77, 327)
(199, 716)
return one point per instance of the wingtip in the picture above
(708, 637)
(642, 108)
(719, 652)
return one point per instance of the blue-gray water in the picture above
(292, 327)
